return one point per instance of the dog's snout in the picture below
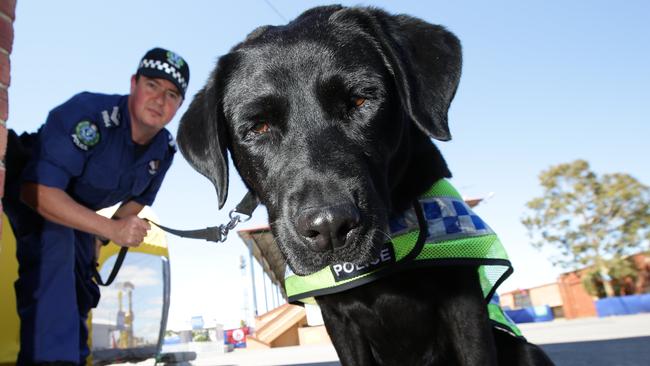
(326, 228)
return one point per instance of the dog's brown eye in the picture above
(261, 128)
(358, 102)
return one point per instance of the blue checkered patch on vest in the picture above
(447, 218)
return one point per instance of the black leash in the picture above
(116, 268)
(217, 234)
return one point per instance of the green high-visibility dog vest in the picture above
(454, 235)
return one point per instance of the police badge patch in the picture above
(86, 135)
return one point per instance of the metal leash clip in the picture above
(235, 219)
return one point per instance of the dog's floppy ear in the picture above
(202, 137)
(424, 59)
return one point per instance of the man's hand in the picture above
(129, 231)
(54, 204)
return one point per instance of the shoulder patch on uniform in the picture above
(86, 135)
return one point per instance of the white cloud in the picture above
(139, 276)
(155, 301)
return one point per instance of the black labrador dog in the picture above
(329, 121)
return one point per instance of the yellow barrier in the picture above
(155, 243)
(9, 321)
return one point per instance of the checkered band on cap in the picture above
(167, 68)
(164, 64)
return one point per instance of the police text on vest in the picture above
(347, 270)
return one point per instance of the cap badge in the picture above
(175, 59)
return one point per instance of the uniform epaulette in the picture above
(111, 117)
(171, 142)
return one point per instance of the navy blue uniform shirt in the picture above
(85, 148)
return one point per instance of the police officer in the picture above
(94, 151)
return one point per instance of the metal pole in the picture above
(280, 299)
(252, 263)
(266, 300)
(276, 294)
(275, 305)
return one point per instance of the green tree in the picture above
(169, 333)
(586, 220)
(200, 336)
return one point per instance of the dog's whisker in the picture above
(385, 235)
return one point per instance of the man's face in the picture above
(154, 102)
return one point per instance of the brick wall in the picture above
(7, 16)
(577, 302)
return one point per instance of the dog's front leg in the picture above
(469, 329)
(349, 341)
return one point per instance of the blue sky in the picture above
(543, 83)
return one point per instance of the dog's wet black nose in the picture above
(325, 228)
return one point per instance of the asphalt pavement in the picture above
(612, 352)
(611, 341)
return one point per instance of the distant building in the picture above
(568, 298)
